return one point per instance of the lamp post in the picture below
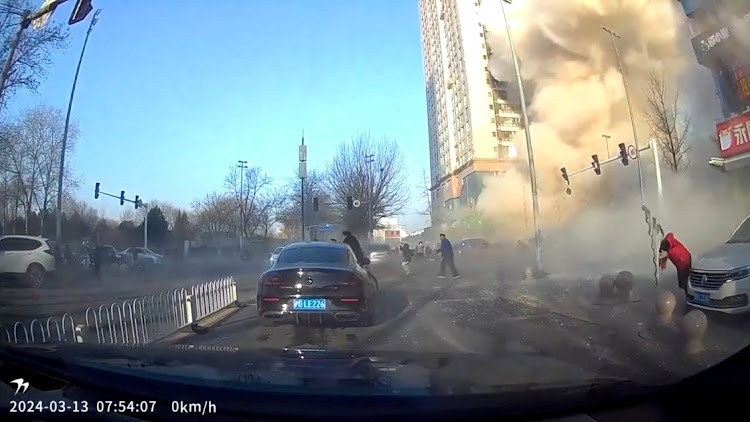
(614, 36)
(242, 165)
(302, 176)
(369, 159)
(606, 140)
(61, 175)
(529, 145)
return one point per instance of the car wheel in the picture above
(35, 276)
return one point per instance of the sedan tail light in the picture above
(48, 251)
(274, 279)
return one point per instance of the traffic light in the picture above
(122, 197)
(597, 166)
(315, 204)
(623, 153)
(564, 172)
(81, 9)
(96, 190)
(137, 202)
(349, 203)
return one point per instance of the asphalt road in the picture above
(535, 331)
(75, 294)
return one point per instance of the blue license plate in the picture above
(309, 304)
(702, 298)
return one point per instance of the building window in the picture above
(484, 57)
(491, 107)
(492, 120)
(481, 34)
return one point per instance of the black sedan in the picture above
(314, 282)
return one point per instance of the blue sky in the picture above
(171, 93)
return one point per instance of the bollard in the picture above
(624, 284)
(189, 309)
(693, 328)
(606, 286)
(665, 303)
(79, 333)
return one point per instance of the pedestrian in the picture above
(673, 250)
(420, 250)
(446, 260)
(407, 254)
(353, 243)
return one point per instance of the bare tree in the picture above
(215, 213)
(171, 212)
(247, 195)
(34, 53)
(128, 214)
(290, 210)
(42, 131)
(669, 126)
(372, 171)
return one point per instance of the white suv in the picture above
(29, 257)
(720, 279)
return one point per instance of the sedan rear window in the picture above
(380, 248)
(314, 255)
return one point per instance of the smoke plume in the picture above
(575, 94)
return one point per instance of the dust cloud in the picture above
(575, 94)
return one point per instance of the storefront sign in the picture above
(734, 135)
(706, 42)
(742, 82)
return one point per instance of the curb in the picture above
(201, 325)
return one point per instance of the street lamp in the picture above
(606, 139)
(529, 145)
(369, 159)
(58, 212)
(612, 36)
(242, 165)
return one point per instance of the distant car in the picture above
(275, 254)
(379, 252)
(145, 256)
(27, 257)
(472, 243)
(720, 278)
(315, 282)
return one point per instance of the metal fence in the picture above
(131, 322)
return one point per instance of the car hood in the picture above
(286, 370)
(724, 257)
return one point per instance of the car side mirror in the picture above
(366, 261)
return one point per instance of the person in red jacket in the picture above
(673, 250)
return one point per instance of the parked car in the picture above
(472, 243)
(720, 278)
(145, 256)
(315, 282)
(29, 258)
(275, 254)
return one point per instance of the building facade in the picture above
(471, 122)
(721, 40)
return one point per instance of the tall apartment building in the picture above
(472, 126)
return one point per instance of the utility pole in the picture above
(242, 165)
(370, 186)
(61, 175)
(606, 140)
(302, 176)
(529, 145)
(612, 36)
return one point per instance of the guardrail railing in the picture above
(132, 322)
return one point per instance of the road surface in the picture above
(546, 322)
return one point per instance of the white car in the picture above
(275, 254)
(28, 257)
(145, 256)
(379, 252)
(720, 279)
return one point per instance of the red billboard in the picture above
(734, 135)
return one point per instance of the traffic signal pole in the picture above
(137, 202)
